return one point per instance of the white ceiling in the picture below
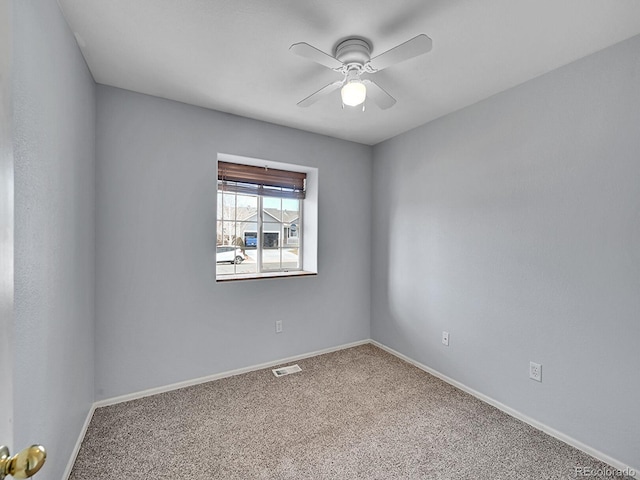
(232, 55)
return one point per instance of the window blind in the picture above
(234, 177)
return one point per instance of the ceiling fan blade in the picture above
(379, 96)
(314, 97)
(409, 49)
(312, 53)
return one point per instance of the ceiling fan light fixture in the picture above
(353, 93)
(353, 58)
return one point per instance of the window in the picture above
(260, 221)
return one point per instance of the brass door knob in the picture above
(24, 464)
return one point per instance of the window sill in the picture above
(260, 276)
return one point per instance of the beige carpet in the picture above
(354, 414)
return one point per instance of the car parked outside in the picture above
(229, 254)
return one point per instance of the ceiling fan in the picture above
(352, 59)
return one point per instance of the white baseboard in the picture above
(76, 449)
(188, 383)
(209, 378)
(508, 410)
(633, 472)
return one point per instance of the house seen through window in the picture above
(259, 220)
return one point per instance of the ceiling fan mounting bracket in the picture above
(353, 51)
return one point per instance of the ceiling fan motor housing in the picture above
(353, 51)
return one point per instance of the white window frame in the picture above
(307, 223)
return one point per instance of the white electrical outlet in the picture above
(535, 371)
(278, 326)
(445, 338)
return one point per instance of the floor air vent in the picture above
(281, 372)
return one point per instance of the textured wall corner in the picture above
(54, 132)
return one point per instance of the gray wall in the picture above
(160, 315)
(6, 229)
(54, 112)
(527, 247)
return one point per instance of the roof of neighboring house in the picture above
(245, 214)
(288, 216)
